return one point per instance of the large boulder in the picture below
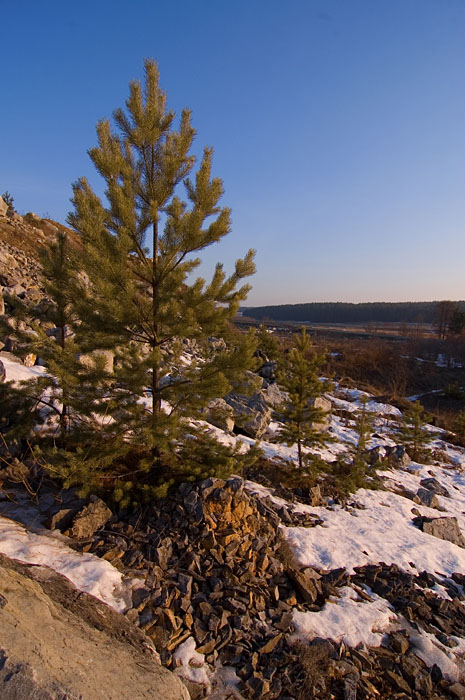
(251, 413)
(57, 643)
(219, 413)
(446, 528)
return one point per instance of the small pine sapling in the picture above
(267, 343)
(413, 433)
(299, 377)
(459, 425)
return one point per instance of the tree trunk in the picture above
(156, 400)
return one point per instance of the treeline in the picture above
(342, 312)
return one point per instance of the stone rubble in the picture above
(214, 567)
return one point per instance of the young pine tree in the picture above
(62, 394)
(142, 302)
(413, 433)
(299, 377)
(352, 475)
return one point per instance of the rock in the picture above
(57, 643)
(426, 498)
(268, 371)
(29, 360)
(14, 216)
(446, 528)
(397, 456)
(2, 304)
(325, 405)
(219, 413)
(48, 227)
(458, 690)
(306, 586)
(433, 485)
(252, 413)
(398, 682)
(2, 372)
(3, 207)
(90, 519)
(61, 520)
(273, 395)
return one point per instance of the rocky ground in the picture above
(262, 587)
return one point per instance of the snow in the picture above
(380, 531)
(86, 571)
(377, 527)
(17, 372)
(347, 619)
(191, 664)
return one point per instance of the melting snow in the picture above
(86, 571)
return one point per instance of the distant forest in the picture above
(342, 312)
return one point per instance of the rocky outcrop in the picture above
(60, 644)
(219, 413)
(3, 207)
(251, 413)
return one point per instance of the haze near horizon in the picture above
(337, 128)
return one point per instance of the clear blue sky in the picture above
(338, 127)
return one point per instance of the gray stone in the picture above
(398, 457)
(59, 644)
(426, 498)
(90, 519)
(433, 485)
(219, 413)
(273, 395)
(252, 413)
(325, 405)
(446, 528)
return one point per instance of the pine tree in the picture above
(364, 422)
(267, 343)
(299, 377)
(63, 394)
(413, 433)
(459, 424)
(142, 304)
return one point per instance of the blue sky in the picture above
(338, 128)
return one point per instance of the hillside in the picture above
(234, 576)
(276, 583)
(342, 312)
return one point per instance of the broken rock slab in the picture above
(446, 528)
(59, 644)
(90, 518)
(426, 497)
